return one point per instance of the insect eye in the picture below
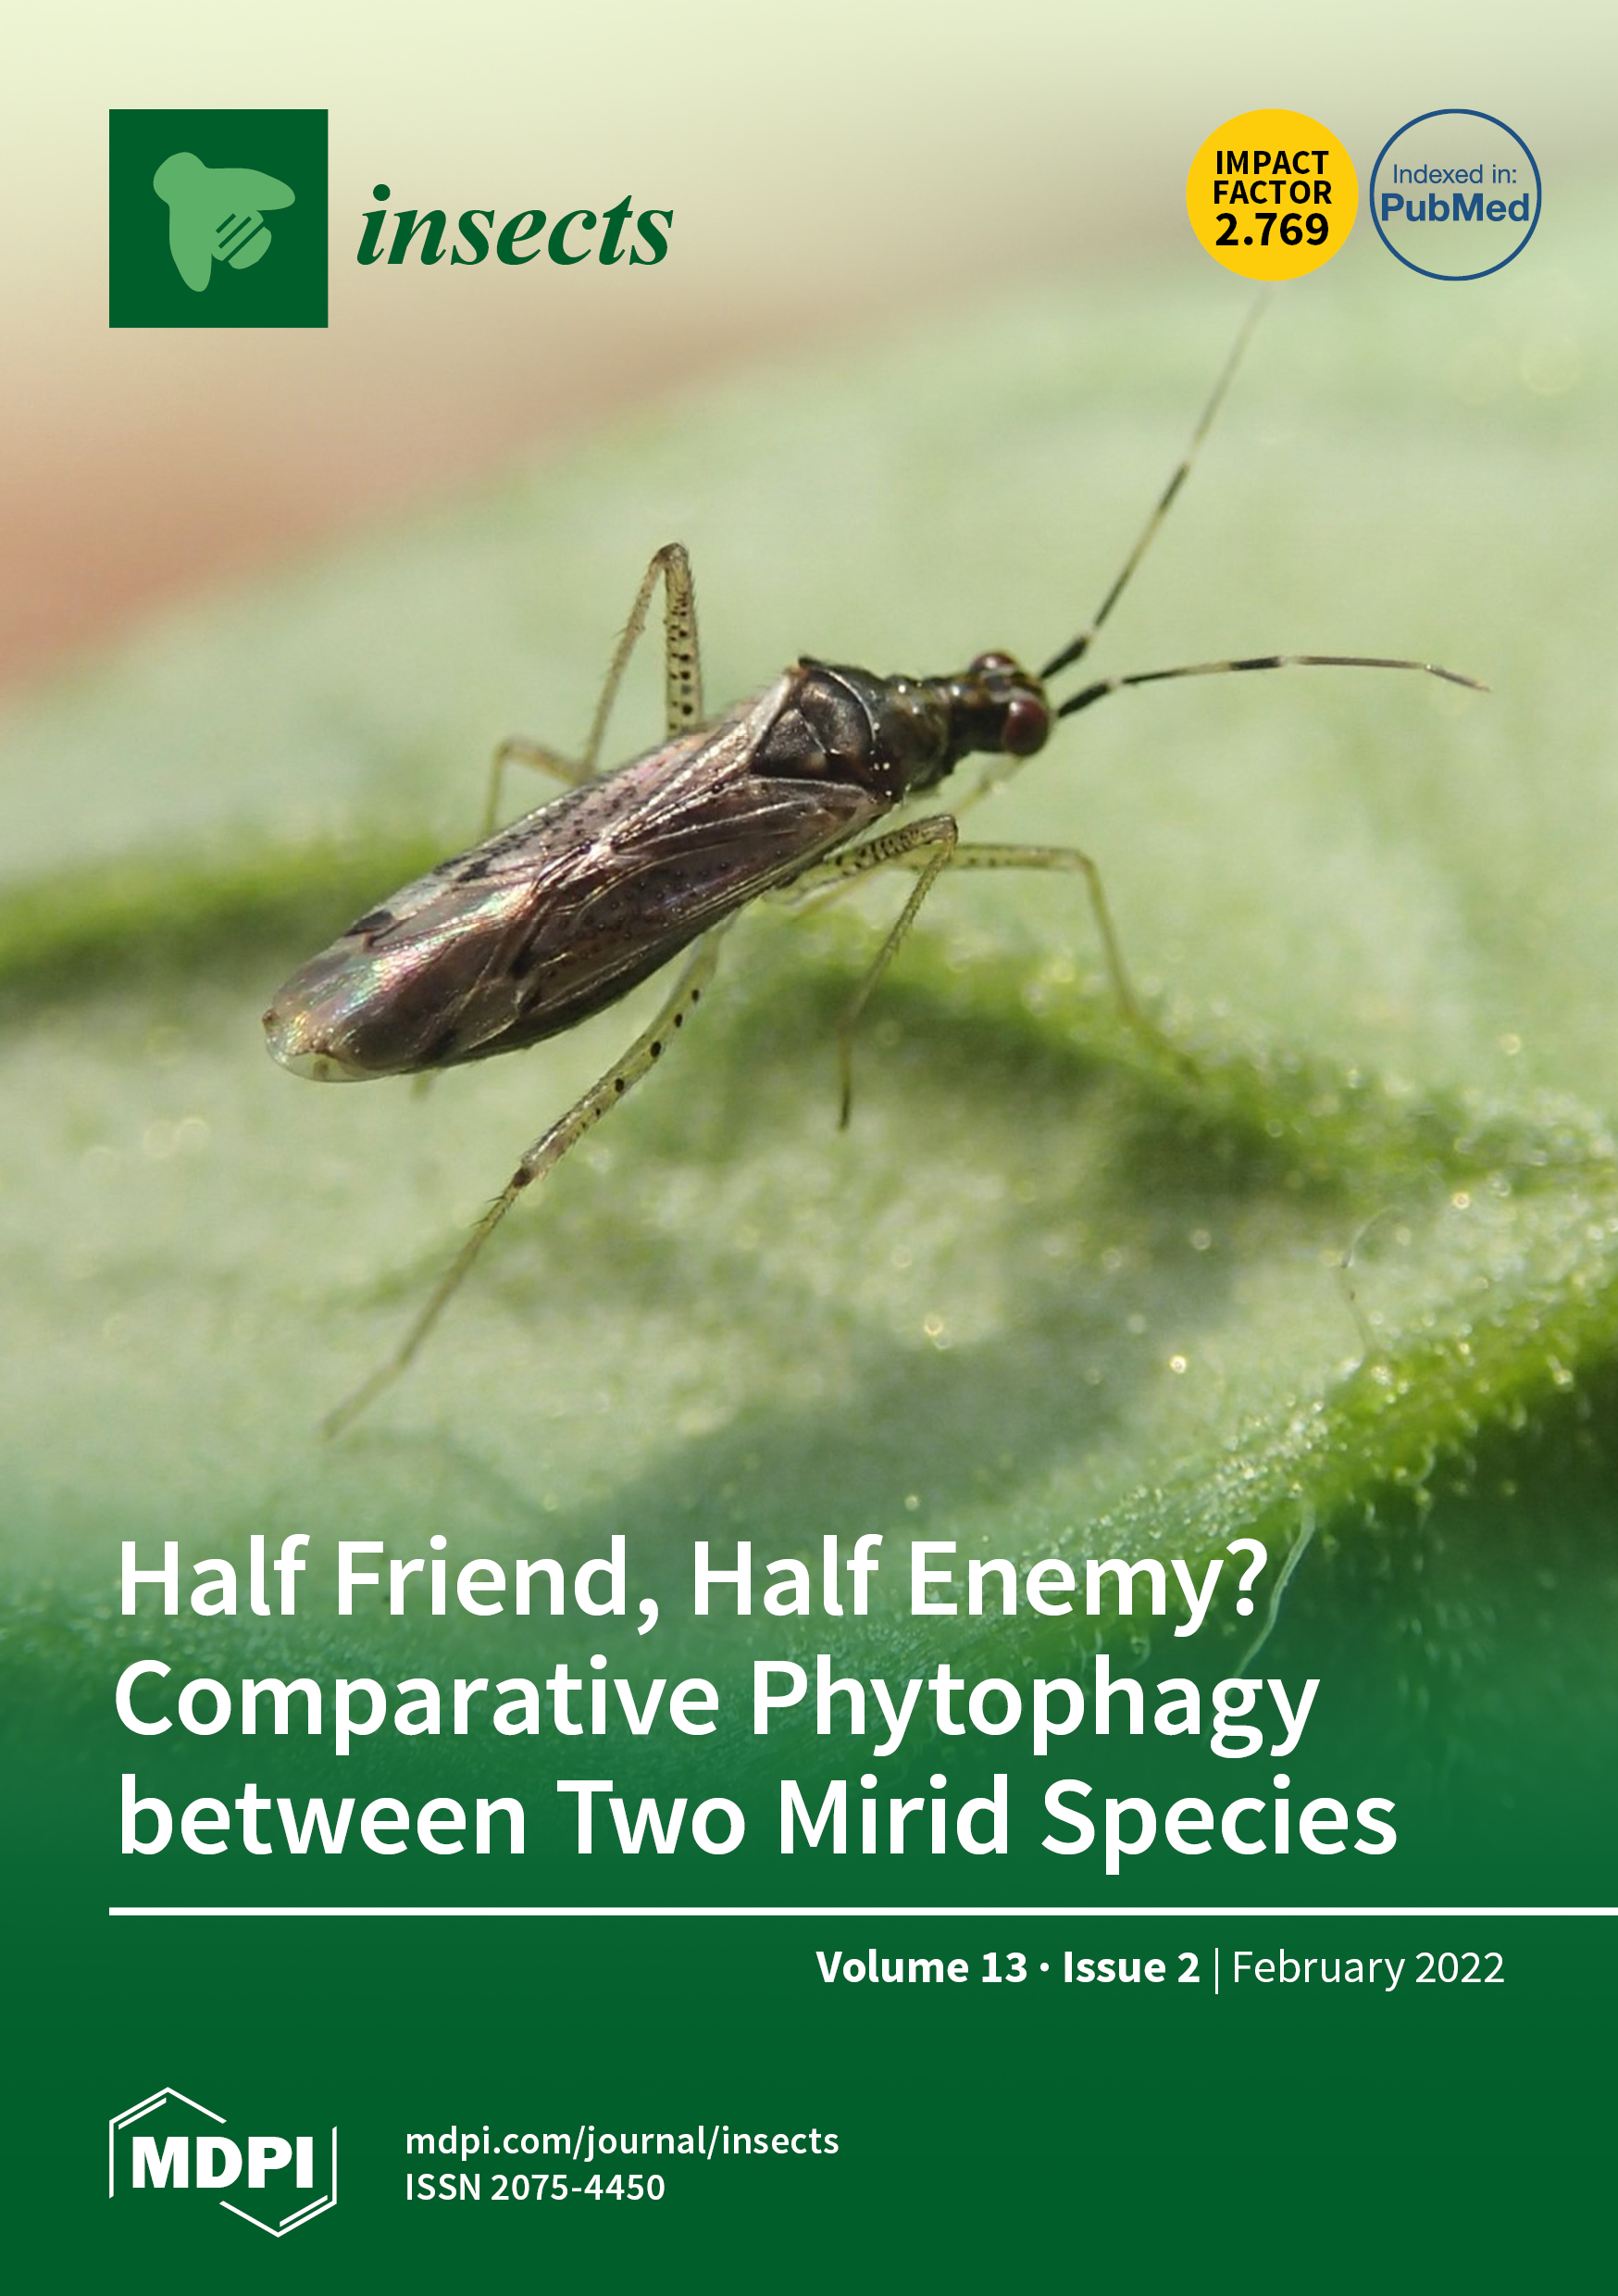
(1027, 722)
(992, 661)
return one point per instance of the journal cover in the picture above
(971, 1639)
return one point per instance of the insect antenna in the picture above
(1093, 692)
(1080, 646)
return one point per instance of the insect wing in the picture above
(563, 912)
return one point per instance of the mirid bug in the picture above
(552, 918)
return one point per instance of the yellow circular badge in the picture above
(1272, 195)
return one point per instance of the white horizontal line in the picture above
(850, 1913)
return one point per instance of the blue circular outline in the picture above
(1456, 111)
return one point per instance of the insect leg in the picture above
(545, 1153)
(1070, 859)
(682, 665)
(927, 846)
(520, 752)
(682, 679)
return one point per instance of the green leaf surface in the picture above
(1055, 1291)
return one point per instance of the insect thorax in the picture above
(893, 736)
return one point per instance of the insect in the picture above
(559, 915)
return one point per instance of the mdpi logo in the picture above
(217, 218)
(170, 2144)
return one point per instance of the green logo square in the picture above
(217, 219)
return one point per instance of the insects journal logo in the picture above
(169, 2150)
(217, 218)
